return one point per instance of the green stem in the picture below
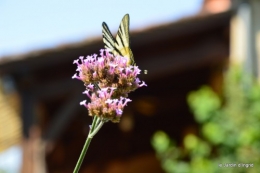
(97, 128)
(94, 128)
(82, 155)
(93, 125)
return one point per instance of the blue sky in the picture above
(33, 24)
(10, 160)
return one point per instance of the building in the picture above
(179, 56)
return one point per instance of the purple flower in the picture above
(103, 106)
(108, 80)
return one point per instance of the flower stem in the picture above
(96, 125)
(97, 128)
(82, 155)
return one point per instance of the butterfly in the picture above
(121, 44)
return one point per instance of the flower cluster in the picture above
(108, 80)
(103, 106)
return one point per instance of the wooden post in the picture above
(245, 37)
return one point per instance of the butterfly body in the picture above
(121, 44)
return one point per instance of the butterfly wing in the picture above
(120, 45)
(122, 39)
(108, 39)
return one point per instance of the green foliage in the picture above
(229, 131)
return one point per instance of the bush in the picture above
(229, 131)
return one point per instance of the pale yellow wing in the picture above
(120, 45)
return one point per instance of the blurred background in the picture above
(183, 45)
